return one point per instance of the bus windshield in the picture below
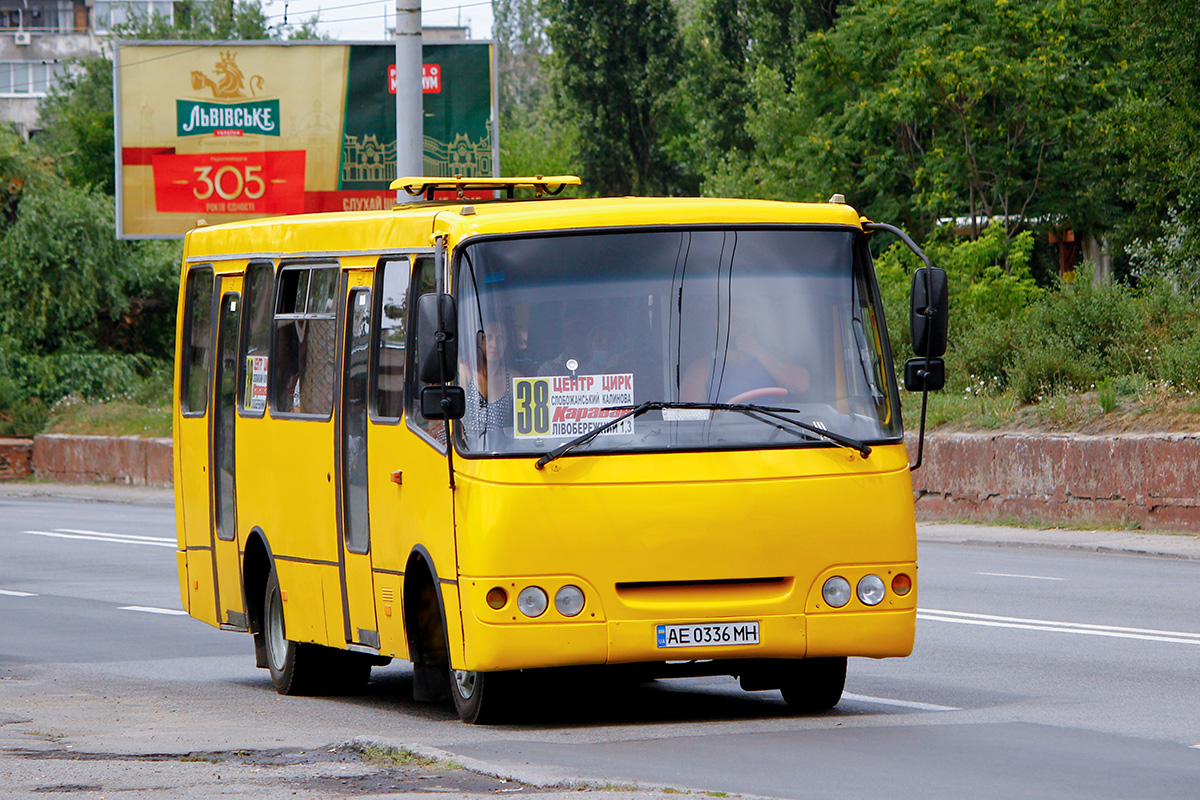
(561, 333)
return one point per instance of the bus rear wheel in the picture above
(300, 668)
(814, 684)
(480, 698)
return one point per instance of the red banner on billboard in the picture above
(266, 182)
(431, 78)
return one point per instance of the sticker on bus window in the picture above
(568, 406)
(256, 383)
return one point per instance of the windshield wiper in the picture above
(749, 409)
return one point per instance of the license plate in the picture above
(708, 634)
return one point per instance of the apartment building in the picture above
(39, 38)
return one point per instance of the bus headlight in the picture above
(533, 601)
(569, 601)
(871, 590)
(836, 591)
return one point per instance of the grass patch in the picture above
(1082, 523)
(402, 757)
(114, 418)
(1118, 406)
(201, 758)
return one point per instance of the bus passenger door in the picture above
(231, 607)
(354, 530)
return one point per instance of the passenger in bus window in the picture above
(744, 365)
(488, 382)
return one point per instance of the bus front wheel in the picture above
(480, 697)
(814, 684)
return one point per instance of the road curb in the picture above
(1159, 544)
(545, 778)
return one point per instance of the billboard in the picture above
(223, 131)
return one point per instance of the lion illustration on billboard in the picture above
(231, 82)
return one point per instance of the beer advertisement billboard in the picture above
(223, 131)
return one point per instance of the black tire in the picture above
(814, 684)
(481, 698)
(295, 667)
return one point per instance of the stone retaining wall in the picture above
(102, 459)
(16, 459)
(1148, 479)
(1152, 480)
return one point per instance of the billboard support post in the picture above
(410, 146)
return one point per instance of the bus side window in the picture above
(424, 281)
(304, 347)
(197, 341)
(256, 338)
(391, 322)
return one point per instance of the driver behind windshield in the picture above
(744, 366)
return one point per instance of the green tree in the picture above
(1151, 137)
(78, 119)
(616, 65)
(925, 108)
(725, 42)
(536, 137)
(522, 48)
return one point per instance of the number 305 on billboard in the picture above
(268, 182)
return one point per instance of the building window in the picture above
(111, 14)
(29, 78)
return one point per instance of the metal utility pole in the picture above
(409, 111)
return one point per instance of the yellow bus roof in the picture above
(412, 225)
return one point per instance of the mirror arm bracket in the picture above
(869, 227)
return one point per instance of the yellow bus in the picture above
(498, 436)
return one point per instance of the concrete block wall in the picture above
(103, 459)
(1147, 479)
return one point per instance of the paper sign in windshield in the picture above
(568, 406)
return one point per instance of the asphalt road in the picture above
(1038, 673)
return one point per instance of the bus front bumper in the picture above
(529, 645)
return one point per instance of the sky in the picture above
(370, 20)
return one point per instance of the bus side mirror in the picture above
(930, 314)
(437, 364)
(443, 402)
(924, 374)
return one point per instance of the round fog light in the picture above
(569, 601)
(836, 591)
(532, 601)
(497, 597)
(871, 590)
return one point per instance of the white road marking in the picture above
(118, 538)
(1026, 577)
(1194, 746)
(13, 593)
(887, 701)
(174, 612)
(121, 535)
(1054, 626)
